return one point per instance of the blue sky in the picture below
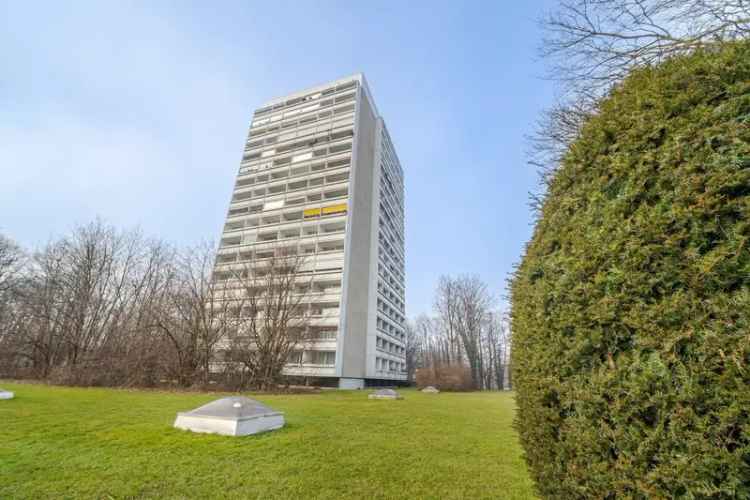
(138, 112)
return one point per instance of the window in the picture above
(326, 358)
(231, 241)
(272, 205)
(301, 157)
(325, 334)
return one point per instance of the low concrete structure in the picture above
(431, 390)
(233, 416)
(385, 394)
(6, 394)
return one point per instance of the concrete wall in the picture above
(359, 245)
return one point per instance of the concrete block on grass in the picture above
(233, 416)
(385, 394)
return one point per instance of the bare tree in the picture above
(462, 305)
(82, 300)
(447, 308)
(98, 265)
(473, 302)
(412, 350)
(195, 314)
(39, 341)
(138, 351)
(430, 346)
(77, 286)
(430, 350)
(591, 45)
(485, 332)
(12, 260)
(274, 309)
(556, 129)
(496, 340)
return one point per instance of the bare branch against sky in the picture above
(591, 45)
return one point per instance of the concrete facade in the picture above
(320, 176)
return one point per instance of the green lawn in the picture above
(102, 443)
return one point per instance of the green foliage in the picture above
(58, 442)
(631, 307)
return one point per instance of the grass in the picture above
(106, 443)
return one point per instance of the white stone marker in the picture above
(233, 416)
(385, 394)
(6, 394)
(430, 390)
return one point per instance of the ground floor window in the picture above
(327, 358)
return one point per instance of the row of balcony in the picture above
(392, 298)
(320, 358)
(278, 235)
(297, 102)
(298, 106)
(386, 248)
(290, 224)
(385, 326)
(395, 245)
(282, 173)
(312, 119)
(383, 365)
(312, 96)
(285, 206)
(317, 155)
(392, 348)
(296, 143)
(307, 252)
(389, 276)
(273, 191)
(389, 153)
(324, 121)
(390, 311)
(319, 128)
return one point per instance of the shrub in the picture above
(446, 377)
(631, 306)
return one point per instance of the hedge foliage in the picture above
(631, 306)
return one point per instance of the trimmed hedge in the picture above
(631, 307)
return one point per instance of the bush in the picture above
(446, 377)
(631, 307)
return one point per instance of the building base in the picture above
(351, 383)
(345, 383)
(375, 382)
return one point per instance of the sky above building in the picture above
(138, 112)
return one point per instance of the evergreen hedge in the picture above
(631, 306)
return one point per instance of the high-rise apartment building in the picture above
(320, 174)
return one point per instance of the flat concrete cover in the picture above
(6, 394)
(385, 394)
(430, 389)
(233, 416)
